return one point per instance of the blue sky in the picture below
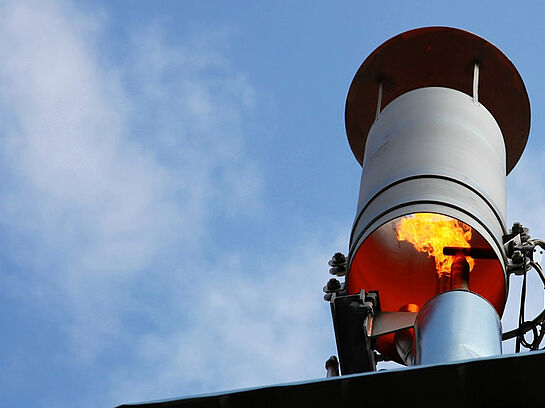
(175, 177)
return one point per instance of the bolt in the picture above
(339, 258)
(517, 257)
(333, 285)
(517, 228)
(332, 366)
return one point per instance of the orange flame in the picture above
(430, 233)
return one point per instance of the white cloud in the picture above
(526, 195)
(97, 202)
(112, 171)
(266, 327)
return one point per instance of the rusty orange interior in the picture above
(404, 267)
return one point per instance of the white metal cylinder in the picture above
(434, 149)
(456, 325)
(436, 132)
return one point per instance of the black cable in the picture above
(538, 336)
(538, 242)
(536, 325)
(520, 336)
(536, 341)
(526, 327)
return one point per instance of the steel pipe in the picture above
(456, 325)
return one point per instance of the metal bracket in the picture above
(358, 322)
(390, 322)
(352, 321)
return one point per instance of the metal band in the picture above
(423, 176)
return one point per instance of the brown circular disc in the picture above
(445, 57)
